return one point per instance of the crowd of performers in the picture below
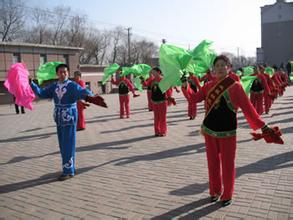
(223, 94)
(220, 89)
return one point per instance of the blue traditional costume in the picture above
(65, 95)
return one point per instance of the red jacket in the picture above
(152, 80)
(238, 100)
(126, 81)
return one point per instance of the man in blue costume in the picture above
(65, 94)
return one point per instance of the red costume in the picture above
(207, 77)
(258, 89)
(149, 93)
(124, 85)
(80, 109)
(219, 129)
(268, 93)
(160, 103)
(186, 92)
(234, 76)
(194, 85)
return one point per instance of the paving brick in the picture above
(124, 172)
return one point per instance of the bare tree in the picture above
(59, 19)
(117, 36)
(76, 31)
(240, 61)
(40, 30)
(143, 51)
(11, 19)
(95, 47)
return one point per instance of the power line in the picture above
(136, 29)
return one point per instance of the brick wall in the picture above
(30, 55)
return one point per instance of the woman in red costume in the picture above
(149, 91)
(223, 96)
(160, 102)
(124, 86)
(190, 84)
(258, 89)
(81, 105)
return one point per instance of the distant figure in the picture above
(17, 107)
(81, 104)
(124, 86)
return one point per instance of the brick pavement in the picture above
(124, 172)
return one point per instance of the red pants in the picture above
(160, 118)
(257, 101)
(81, 118)
(267, 102)
(124, 105)
(192, 108)
(221, 165)
(191, 104)
(150, 102)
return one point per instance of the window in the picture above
(88, 85)
(43, 59)
(16, 58)
(66, 59)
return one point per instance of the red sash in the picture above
(216, 92)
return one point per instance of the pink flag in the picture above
(17, 83)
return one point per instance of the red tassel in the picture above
(272, 135)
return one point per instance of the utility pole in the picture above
(128, 37)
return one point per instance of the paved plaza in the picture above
(125, 172)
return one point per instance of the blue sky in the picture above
(233, 25)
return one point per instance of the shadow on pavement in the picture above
(267, 164)
(198, 213)
(45, 179)
(28, 137)
(100, 146)
(181, 151)
(127, 128)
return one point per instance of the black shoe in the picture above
(226, 202)
(65, 177)
(214, 198)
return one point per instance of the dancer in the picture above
(223, 96)
(65, 94)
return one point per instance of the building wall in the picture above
(277, 42)
(93, 76)
(277, 33)
(30, 55)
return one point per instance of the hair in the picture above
(77, 73)
(62, 65)
(157, 69)
(224, 58)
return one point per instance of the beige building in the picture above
(276, 33)
(93, 75)
(33, 55)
